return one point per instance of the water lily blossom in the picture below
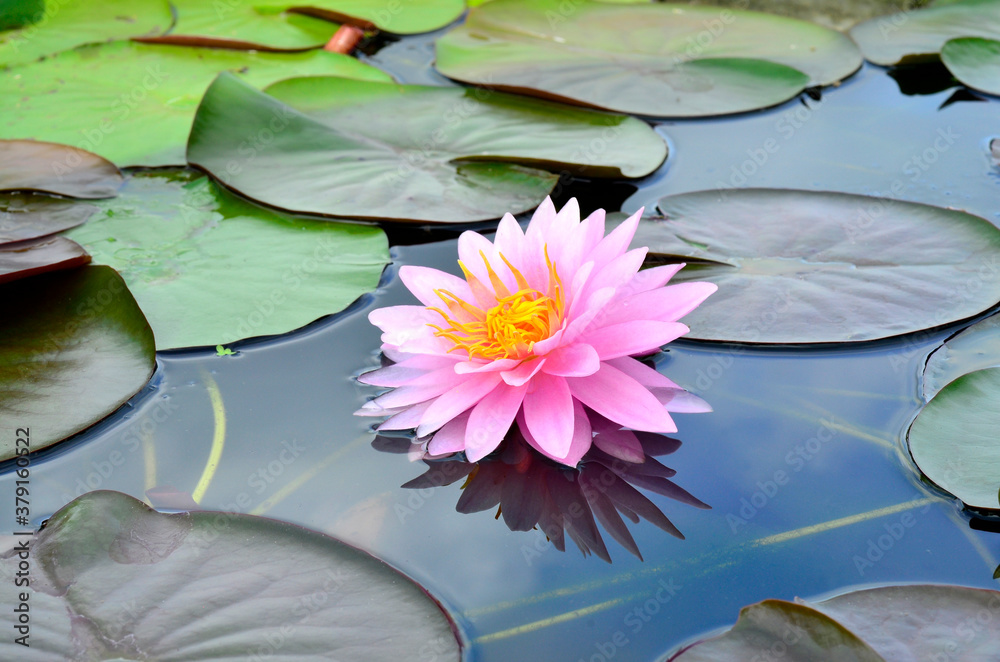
(540, 333)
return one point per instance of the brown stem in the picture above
(344, 40)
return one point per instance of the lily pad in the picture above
(918, 36)
(339, 148)
(75, 350)
(66, 24)
(113, 579)
(37, 256)
(650, 59)
(954, 443)
(975, 62)
(29, 165)
(406, 17)
(208, 268)
(813, 266)
(975, 348)
(26, 216)
(134, 103)
(915, 622)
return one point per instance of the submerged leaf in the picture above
(77, 349)
(207, 267)
(650, 59)
(812, 266)
(113, 579)
(339, 148)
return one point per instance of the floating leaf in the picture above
(77, 348)
(208, 268)
(66, 24)
(406, 17)
(954, 442)
(37, 256)
(28, 165)
(650, 59)
(339, 148)
(813, 266)
(113, 579)
(916, 36)
(975, 62)
(247, 25)
(889, 623)
(134, 103)
(18, 13)
(26, 216)
(975, 348)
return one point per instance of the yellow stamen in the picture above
(510, 328)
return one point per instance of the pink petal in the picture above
(455, 401)
(509, 240)
(680, 401)
(405, 396)
(450, 438)
(591, 311)
(524, 372)
(630, 338)
(407, 329)
(614, 275)
(399, 374)
(649, 279)
(422, 281)
(469, 367)
(617, 241)
(543, 217)
(666, 304)
(641, 373)
(572, 361)
(491, 420)
(592, 228)
(406, 419)
(548, 412)
(582, 437)
(618, 397)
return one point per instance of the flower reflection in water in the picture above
(530, 491)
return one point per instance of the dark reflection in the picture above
(530, 491)
(607, 194)
(923, 79)
(962, 94)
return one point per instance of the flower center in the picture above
(510, 328)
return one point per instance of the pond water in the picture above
(802, 461)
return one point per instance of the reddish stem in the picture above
(344, 40)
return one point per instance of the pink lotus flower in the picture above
(543, 327)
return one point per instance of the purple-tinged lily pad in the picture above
(29, 165)
(113, 579)
(75, 348)
(26, 216)
(36, 256)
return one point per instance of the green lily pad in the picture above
(650, 59)
(37, 256)
(112, 578)
(975, 62)
(27, 216)
(29, 165)
(66, 24)
(402, 17)
(339, 148)
(134, 103)
(247, 25)
(889, 623)
(953, 439)
(975, 348)
(918, 36)
(208, 268)
(18, 13)
(813, 266)
(77, 348)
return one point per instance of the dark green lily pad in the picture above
(18, 13)
(113, 579)
(77, 348)
(461, 155)
(66, 24)
(134, 103)
(975, 348)
(975, 62)
(37, 256)
(208, 268)
(954, 439)
(918, 36)
(28, 165)
(650, 59)
(889, 623)
(27, 216)
(813, 266)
